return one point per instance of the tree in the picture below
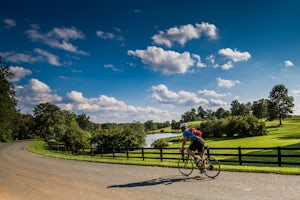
(7, 103)
(150, 125)
(281, 105)
(189, 116)
(49, 121)
(238, 108)
(24, 126)
(222, 113)
(260, 108)
(201, 112)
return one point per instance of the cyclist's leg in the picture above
(191, 150)
(201, 153)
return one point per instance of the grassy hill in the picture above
(286, 135)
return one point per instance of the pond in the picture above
(152, 137)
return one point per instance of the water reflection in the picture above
(152, 137)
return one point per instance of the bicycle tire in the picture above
(212, 167)
(185, 166)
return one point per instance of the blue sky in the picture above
(125, 61)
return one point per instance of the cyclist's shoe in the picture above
(202, 171)
(197, 161)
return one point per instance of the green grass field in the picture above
(286, 135)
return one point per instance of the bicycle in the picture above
(186, 165)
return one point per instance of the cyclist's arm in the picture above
(183, 142)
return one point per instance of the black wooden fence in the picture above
(271, 156)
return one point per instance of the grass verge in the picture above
(38, 147)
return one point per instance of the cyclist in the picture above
(197, 143)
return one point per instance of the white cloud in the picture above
(288, 64)
(184, 33)
(227, 65)
(112, 67)
(227, 83)
(199, 63)
(161, 94)
(34, 93)
(52, 59)
(58, 38)
(20, 57)
(9, 23)
(66, 33)
(234, 55)
(296, 92)
(19, 73)
(31, 57)
(212, 60)
(109, 109)
(218, 103)
(101, 109)
(109, 36)
(212, 93)
(166, 62)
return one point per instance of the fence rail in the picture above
(272, 156)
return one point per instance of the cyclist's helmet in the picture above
(184, 125)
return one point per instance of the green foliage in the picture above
(241, 126)
(281, 105)
(49, 121)
(7, 103)
(24, 126)
(129, 135)
(159, 143)
(74, 136)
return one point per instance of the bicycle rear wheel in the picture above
(185, 166)
(212, 167)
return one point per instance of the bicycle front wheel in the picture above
(185, 166)
(212, 167)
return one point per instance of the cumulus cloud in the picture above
(212, 61)
(19, 73)
(34, 93)
(9, 23)
(234, 55)
(227, 65)
(166, 62)
(161, 94)
(38, 55)
(109, 109)
(109, 36)
(58, 38)
(16, 57)
(51, 58)
(101, 109)
(288, 64)
(227, 83)
(184, 33)
(296, 92)
(212, 93)
(216, 103)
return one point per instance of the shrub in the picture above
(159, 143)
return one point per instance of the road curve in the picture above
(26, 176)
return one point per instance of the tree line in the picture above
(51, 123)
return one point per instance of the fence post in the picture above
(127, 154)
(240, 155)
(113, 152)
(208, 153)
(102, 151)
(279, 156)
(143, 154)
(161, 155)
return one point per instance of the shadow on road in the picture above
(160, 181)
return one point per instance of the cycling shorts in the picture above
(197, 145)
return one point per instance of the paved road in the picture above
(25, 176)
